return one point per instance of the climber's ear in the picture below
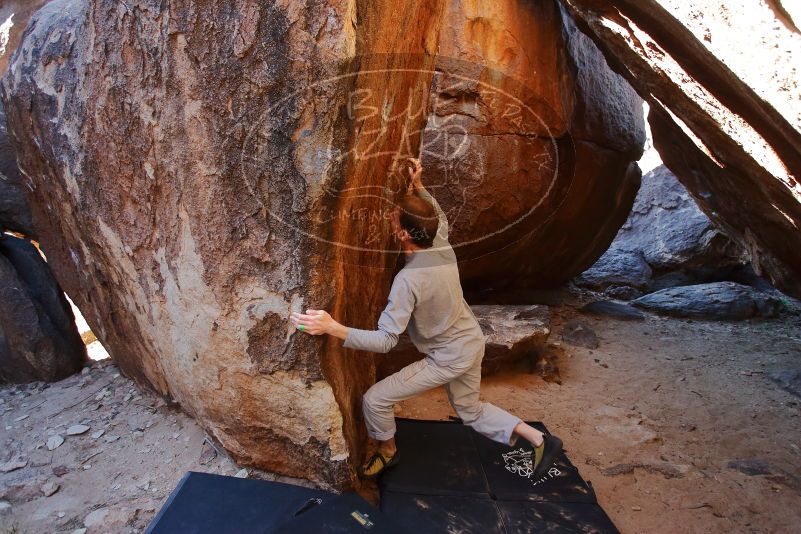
(403, 235)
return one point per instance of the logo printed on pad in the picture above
(363, 519)
(519, 461)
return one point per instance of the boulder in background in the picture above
(721, 82)
(513, 332)
(715, 301)
(666, 241)
(38, 338)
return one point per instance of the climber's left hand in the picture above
(315, 322)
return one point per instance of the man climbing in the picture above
(426, 296)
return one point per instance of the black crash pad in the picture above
(204, 503)
(552, 517)
(436, 458)
(449, 458)
(450, 478)
(435, 514)
(344, 514)
(509, 469)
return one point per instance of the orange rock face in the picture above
(530, 143)
(201, 171)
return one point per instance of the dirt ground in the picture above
(676, 423)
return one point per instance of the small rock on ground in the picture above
(75, 430)
(207, 454)
(49, 488)
(751, 467)
(17, 462)
(54, 442)
(60, 470)
(580, 334)
(668, 470)
(787, 379)
(108, 519)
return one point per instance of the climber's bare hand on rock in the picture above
(318, 322)
(314, 322)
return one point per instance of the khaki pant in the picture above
(462, 381)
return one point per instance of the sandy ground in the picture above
(653, 417)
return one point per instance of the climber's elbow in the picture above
(389, 342)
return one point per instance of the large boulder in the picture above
(530, 144)
(617, 268)
(713, 301)
(38, 338)
(199, 170)
(667, 228)
(725, 110)
(194, 166)
(665, 233)
(512, 333)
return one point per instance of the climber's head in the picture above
(415, 221)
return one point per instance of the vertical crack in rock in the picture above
(382, 121)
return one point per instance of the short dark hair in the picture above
(419, 218)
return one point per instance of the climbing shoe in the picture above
(545, 455)
(377, 464)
